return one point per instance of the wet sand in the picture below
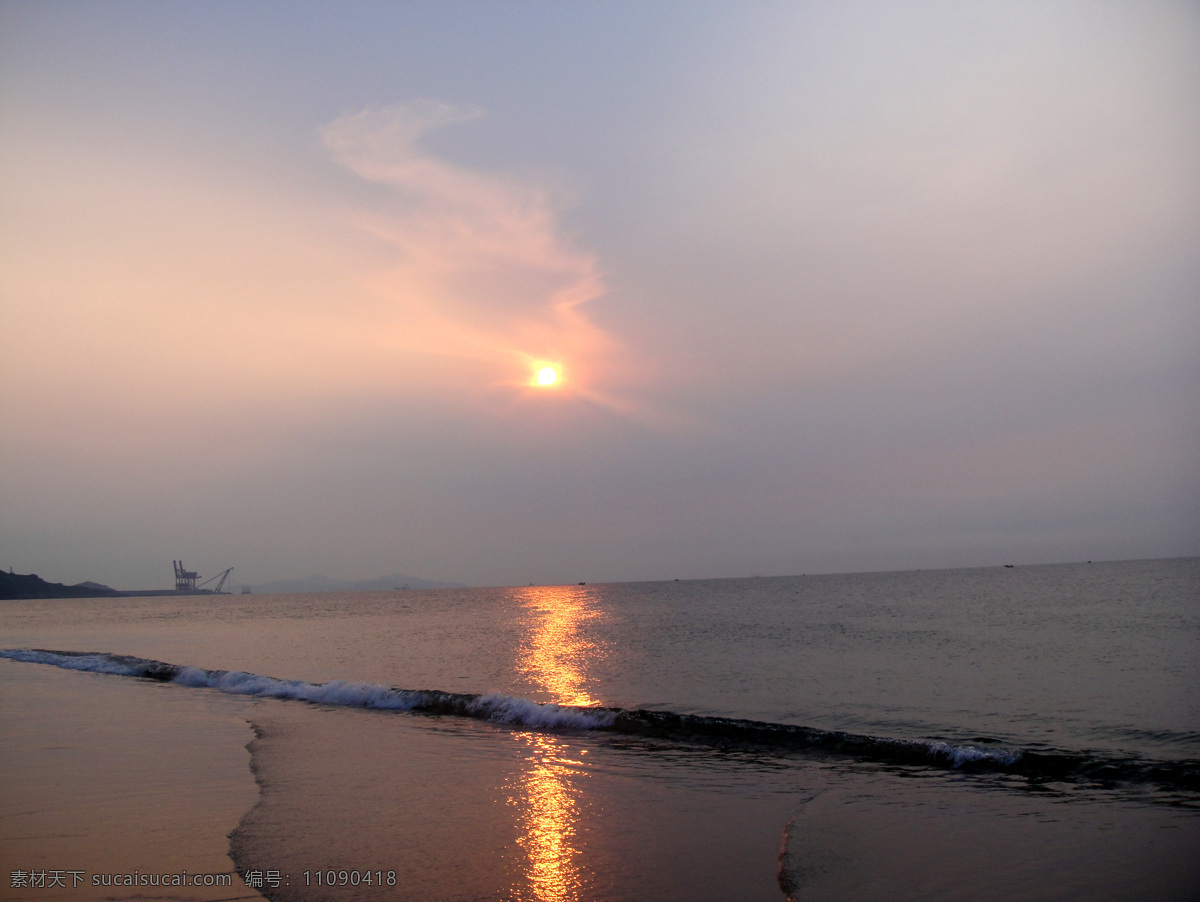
(111, 776)
(890, 836)
(465, 810)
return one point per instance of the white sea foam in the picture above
(522, 711)
(193, 676)
(335, 692)
(94, 663)
(968, 754)
(497, 708)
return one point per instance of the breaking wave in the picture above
(665, 725)
(496, 708)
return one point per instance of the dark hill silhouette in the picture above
(30, 585)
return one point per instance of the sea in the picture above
(1027, 732)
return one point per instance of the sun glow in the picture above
(546, 375)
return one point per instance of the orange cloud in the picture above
(482, 268)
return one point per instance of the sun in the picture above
(546, 375)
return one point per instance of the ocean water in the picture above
(1027, 732)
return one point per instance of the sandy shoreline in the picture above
(104, 774)
(107, 780)
(108, 775)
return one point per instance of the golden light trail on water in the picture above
(555, 652)
(554, 657)
(549, 814)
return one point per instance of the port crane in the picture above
(221, 578)
(186, 580)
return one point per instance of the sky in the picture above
(826, 287)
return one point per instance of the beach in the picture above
(981, 734)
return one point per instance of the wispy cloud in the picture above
(482, 268)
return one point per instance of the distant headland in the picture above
(30, 585)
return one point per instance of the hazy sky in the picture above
(830, 286)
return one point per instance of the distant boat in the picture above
(246, 590)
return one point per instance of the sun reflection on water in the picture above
(548, 801)
(557, 650)
(554, 657)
